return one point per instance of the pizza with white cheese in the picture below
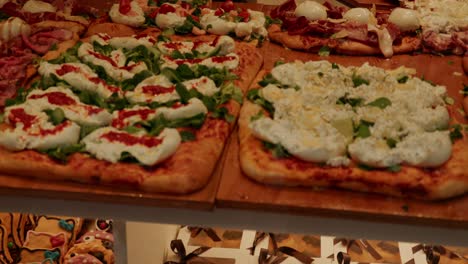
(130, 111)
(364, 128)
(314, 27)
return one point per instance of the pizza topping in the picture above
(311, 10)
(126, 117)
(84, 79)
(69, 103)
(405, 19)
(364, 111)
(360, 15)
(42, 42)
(114, 65)
(171, 16)
(109, 144)
(33, 130)
(132, 14)
(36, 6)
(385, 40)
(221, 45)
(12, 28)
(141, 95)
(230, 61)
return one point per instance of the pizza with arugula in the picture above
(364, 128)
(136, 111)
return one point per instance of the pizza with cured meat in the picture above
(311, 26)
(136, 111)
(364, 128)
(29, 30)
(444, 25)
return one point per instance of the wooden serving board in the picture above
(203, 199)
(238, 191)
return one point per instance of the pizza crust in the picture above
(349, 47)
(111, 29)
(447, 181)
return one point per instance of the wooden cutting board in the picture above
(238, 191)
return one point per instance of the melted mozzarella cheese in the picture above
(311, 10)
(81, 79)
(204, 85)
(138, 95)
(114, 65)
(169, 20)
(385, 40)
(40, 135)
(405, 19)
(77, 111)
(105, 149)
(360, 15)
(225, 44)
(128, 117)
(429, 149)
(194, 107)
(135, 18)
(216, 25)
(36, 6)
(12, 28)
(230, 62)
(313, 118)
(132, 42)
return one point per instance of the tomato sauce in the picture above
(58, 128)
(157, 89)
(125, 7)
(67, 69)
(18, 115)
(119, 122)
(166, 8)
(56, 98)
(102, 57)
(131, 140)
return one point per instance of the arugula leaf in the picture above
(257, 116)
(53, 47)
(89, 97)
(21, 95)
(114, 102)
(56, 116)
(103, 49)
(162, 38)
(394, 168)
(391, 143)
(71, 55)
(362, 130)
(335, 66)
(464, 91)
(381, 102)
(223, 113)
(130, 84)
(185, 28)
(149, 55)
(154, 105)
(351, 101)
(324, 51)
(270, 21)
(183, 93)
(228, 91)
(358, 80)
(161, 2)
(177, 55)
(279, 62)
(62, 153)
(199, 3)
(254, 96)
(128, 158)
(365, 167)
(156, 125)
(428, 81)
(403, 79)
(456, 133)
(102, 74)
(86, 130)
(133, 129)
(185, 72)
(187, 135)
(277, 150)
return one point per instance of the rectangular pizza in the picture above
(364, 128)
(135, 111)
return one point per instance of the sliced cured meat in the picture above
(333, 11)
(41, 42)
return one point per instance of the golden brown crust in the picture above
(449, 180)
(111, 29)
(342, 46)
(298, 42)
(189, 169)
(465, 64)
(348, 47)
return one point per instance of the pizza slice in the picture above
(28, 32)
(363, 128)
(129, 111)
(444, 25)
(314, 27)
